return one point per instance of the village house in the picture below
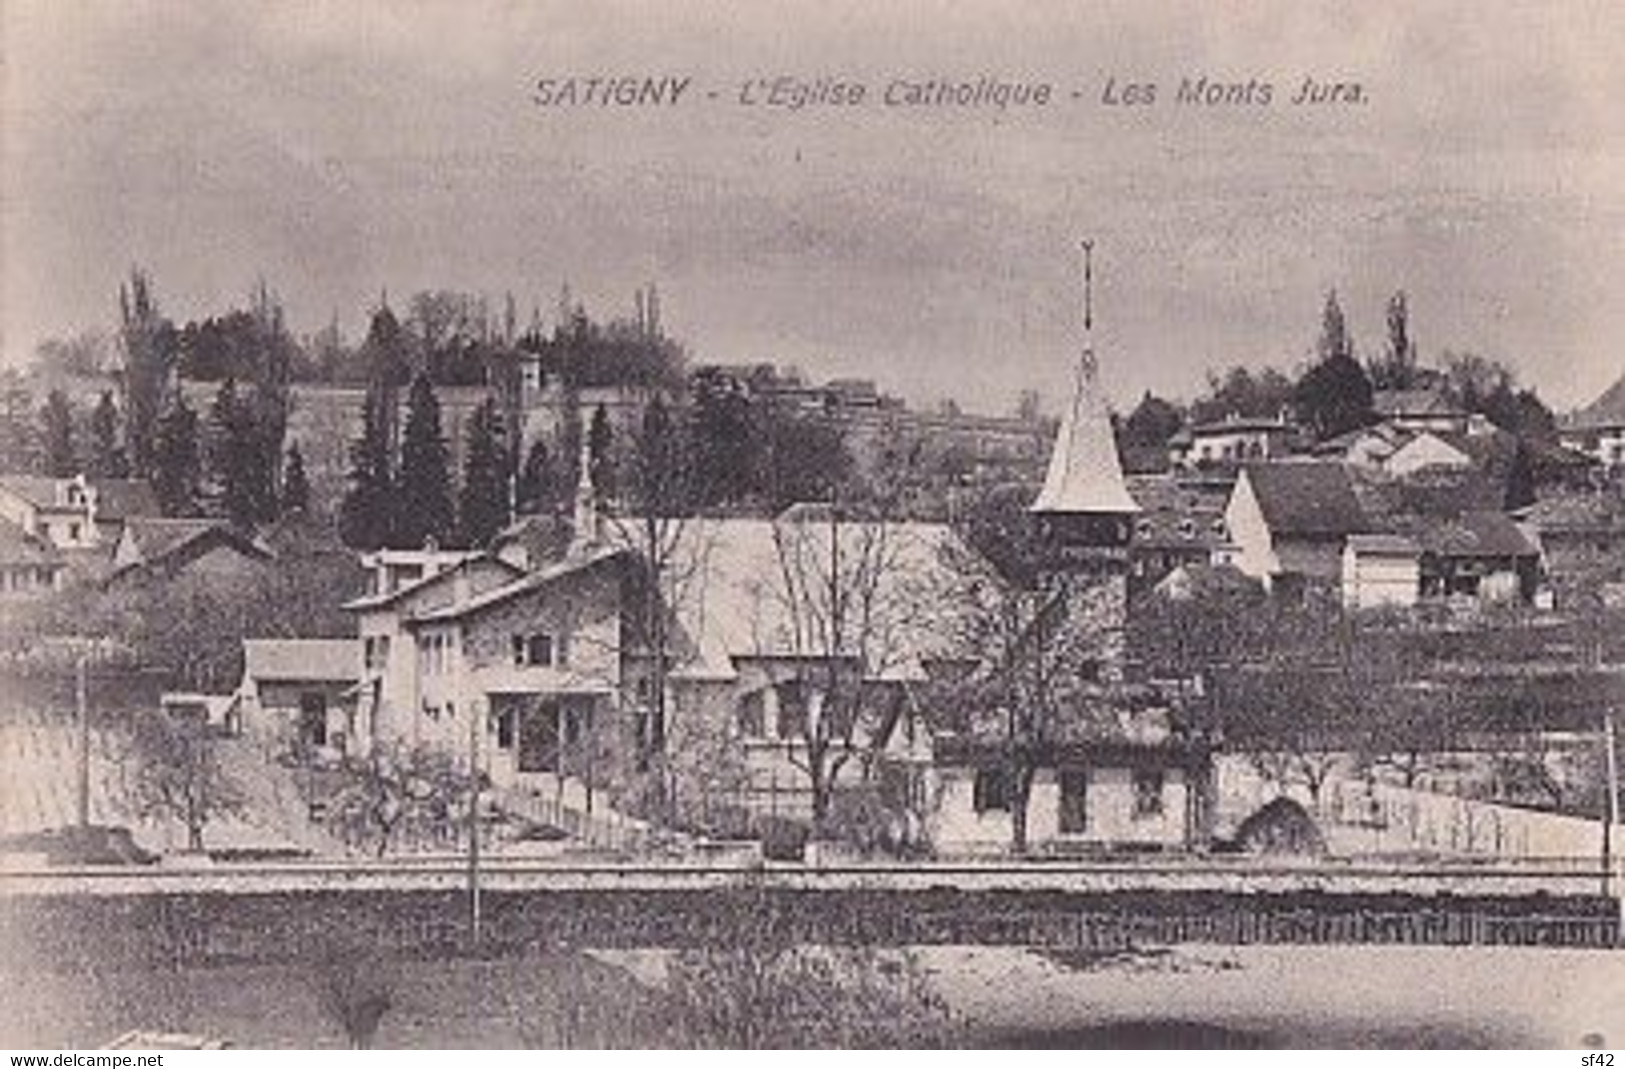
(1598, 429)
(61, 512)
(166, 548)
(1290, 520)
(1232, 441)
(68, 526)
(300, 692)
(29, 565)
(1180, 524)
(1425, 409)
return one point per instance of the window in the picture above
(375, 652)
(1187, 528)
(505, 729)
(561, 651)
(991, 791)
(73, 532)
(791, 722)
(1073, 818)
(1147, 792)
(753, 715)
(535, 651)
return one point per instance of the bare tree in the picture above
(392, 792)
(179, 775)
(850, 594)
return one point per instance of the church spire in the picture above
(1085, 475)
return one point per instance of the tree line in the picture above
(1333, 392)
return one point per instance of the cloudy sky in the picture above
(341, 149)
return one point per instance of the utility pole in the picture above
(476, 714)
(1610, 814)
(82, 709)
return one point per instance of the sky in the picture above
(345, 150)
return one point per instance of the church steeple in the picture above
(1085, 501)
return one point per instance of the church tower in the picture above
(1084, 515)
(1084, 511)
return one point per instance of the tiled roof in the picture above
(1384, 545)
(1174, 512)
(1422, 402)
(1472, 534)
(37, 490)
(1608, 410)
(301, 659)
(120, 499)
(17, 546)
(155, 539)
(1306, 498)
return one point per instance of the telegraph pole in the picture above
(475, 714)
(81, 704)
(1610, 814)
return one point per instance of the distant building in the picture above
(29, 565)
(301, 692)
(67, 527)
(168, 548)
(1231, 442)
(1598, 430)
(1290, 520)
(1426, 409)
(1181, 523)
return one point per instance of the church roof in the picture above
(1085, 474)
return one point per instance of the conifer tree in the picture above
(424, 492)
(367, 514)
(57, 419)
(176, 462)
(238, 471)
(1334, 394)
(483, 508)
(108, 459)
(295, 497)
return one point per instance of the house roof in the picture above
(1178, 513)
(37, 490)
(1608, 410)
(1384, 545)
(528, 582)
(156, 540)
(1306, 498)
(301, 659)
(18, 546)
(1239, 424)
(120, 499)
(1422, 402)
(736, 578)
(496, 565)
(1085, 474)
(1473, 534)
